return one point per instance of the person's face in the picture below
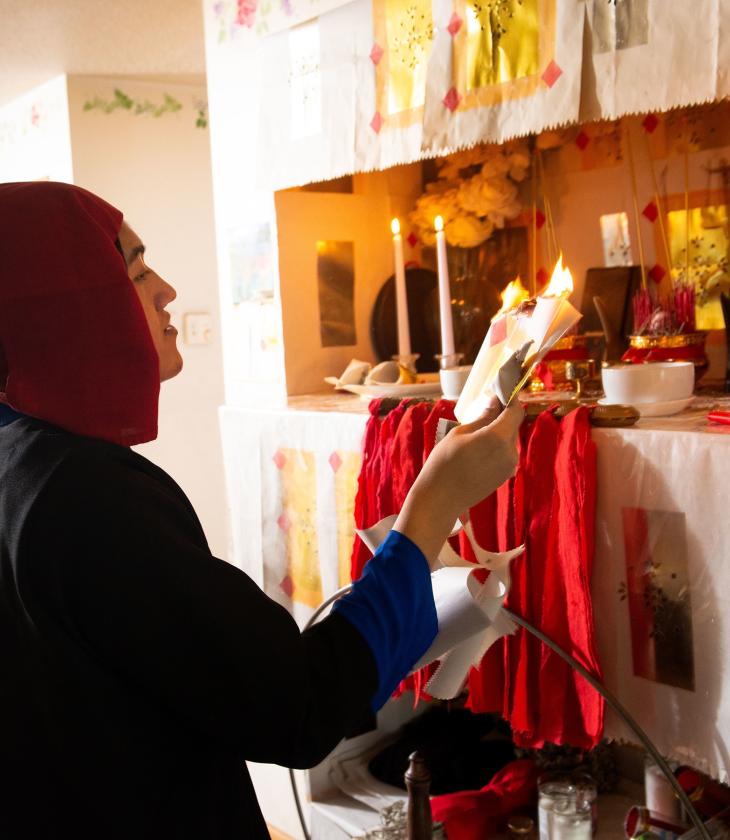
(154, 295)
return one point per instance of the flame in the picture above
(561, 282)
(512, 296)
(395, 227)
(438, 223)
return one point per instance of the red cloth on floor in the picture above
(550, 506)
(472, 814)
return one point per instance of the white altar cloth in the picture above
(661, 579)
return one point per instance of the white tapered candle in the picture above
(447, 326)
(401, 295)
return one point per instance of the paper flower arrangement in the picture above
(476, 191)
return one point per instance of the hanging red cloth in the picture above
(62, 277)
(484, 813)
(550, 506)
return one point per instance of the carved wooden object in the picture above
(418, 782)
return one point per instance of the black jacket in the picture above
(139, 671)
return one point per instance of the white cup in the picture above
(453, 380)
(650, 382)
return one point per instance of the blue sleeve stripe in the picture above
(392, 607)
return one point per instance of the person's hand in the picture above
(470, 463)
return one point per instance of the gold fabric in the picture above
(502, 41)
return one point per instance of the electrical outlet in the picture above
(197, 327)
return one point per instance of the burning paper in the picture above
(520, 335)
(470, 616)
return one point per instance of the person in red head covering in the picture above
(139, 672)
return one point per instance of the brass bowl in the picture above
(670, 342)
(650, 342)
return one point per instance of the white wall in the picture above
(157, 171)
(35, 138)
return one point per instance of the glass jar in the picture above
(552, 790)
(571, 820)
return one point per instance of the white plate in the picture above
(417, 389)
(656, 409)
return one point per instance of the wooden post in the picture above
(418, 782)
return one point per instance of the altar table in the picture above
(661, 579)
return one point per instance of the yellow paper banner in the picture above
(404, 30)
(299, 523)
(345, 491)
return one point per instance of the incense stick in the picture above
(662, 229)
(533, 251)
(686, 214)
(632, 172)
(550, 227)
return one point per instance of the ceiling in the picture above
(40, 39)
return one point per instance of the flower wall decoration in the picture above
(476, 192)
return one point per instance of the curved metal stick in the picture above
(620, 710)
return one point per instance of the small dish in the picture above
(656, 409)
(427, 387)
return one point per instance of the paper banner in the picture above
(308, 95)
(501, 69)
(394, 44)
(636, 60)
(298, 522)
(470, 616)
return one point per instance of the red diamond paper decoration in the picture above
(539, 219)
(287, 587)
(279, 459)
(650, 122)
(498, 332)
(335, 461)
(412, 239)
(284, 522)
(650, 211)
(376, 123)
(552, 74)
(452, 99)
(454, 24)
(541, 277)
(657, 273)
(582, 140)
(376, 53)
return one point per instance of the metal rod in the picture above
(612, 701)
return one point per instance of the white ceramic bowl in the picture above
(648, 383)
(453, 380)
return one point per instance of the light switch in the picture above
(197, 327)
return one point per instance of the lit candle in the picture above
(401, 297)
(447, 326)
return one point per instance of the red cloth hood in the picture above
(75, 347)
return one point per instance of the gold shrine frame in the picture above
(385, 14)
(517, 88)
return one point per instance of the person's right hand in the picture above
(470, 463)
